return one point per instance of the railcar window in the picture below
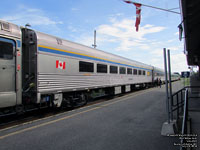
(140, 72)
(122, 70)
(6, 50)
(144, 72)
(86, 66)
(101, 68)
(129, 71)
(113, 69)
(135, 71)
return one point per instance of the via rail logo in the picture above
(60, 64)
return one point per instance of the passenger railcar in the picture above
(158, 74)
(42, 70)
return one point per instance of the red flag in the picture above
(138, 13)
(129, 2)
(60, 64)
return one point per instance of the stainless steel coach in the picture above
(40, 69)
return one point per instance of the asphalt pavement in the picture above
(130, 122)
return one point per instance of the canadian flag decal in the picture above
(60, 64)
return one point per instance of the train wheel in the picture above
(83, 99)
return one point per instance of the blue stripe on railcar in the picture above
(18, 43)
(54, 51)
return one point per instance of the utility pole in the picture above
(94, 45)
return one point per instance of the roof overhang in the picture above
(190, 11)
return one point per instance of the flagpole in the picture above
(153, 7)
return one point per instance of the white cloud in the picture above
(178, 62)
(171, 40)
(74, 9)
(177, 33)
(85, 40)
(157, 53)
(140, 46)
(71, 28)
(125, 29)
(30, 15)
(124, 32)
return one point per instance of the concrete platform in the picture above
(131, 122)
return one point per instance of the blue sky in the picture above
(114, 22)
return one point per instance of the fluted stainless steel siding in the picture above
(52, 79)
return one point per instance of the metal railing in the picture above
(179, 107)
(185, 118)
(177, 103)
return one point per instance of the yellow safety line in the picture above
(46, 123)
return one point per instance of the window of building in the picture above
(6, 50)
(86, 66)
(113, 69)
(122, 70)
(101, 68)
(129, 71)
(135, 71)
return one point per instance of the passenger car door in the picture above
(7, 73)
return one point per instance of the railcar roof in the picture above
(10, 29)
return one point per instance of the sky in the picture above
(114, 22)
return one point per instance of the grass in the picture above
(185, 81)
